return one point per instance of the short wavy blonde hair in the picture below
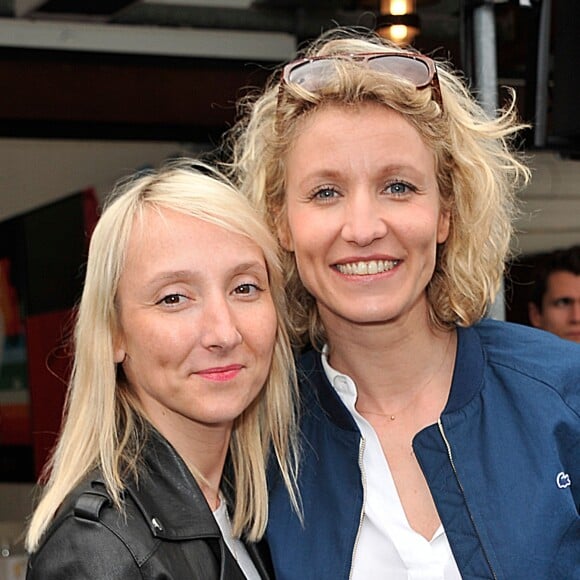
(479, 172)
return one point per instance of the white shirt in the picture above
(236, 547)
(387, 546)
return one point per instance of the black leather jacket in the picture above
(167, 532)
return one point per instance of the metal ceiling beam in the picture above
(147, 40)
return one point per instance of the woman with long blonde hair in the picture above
(182, 388)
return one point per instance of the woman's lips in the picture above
(220, 374)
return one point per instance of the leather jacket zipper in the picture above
(450, 455)
(361, 450)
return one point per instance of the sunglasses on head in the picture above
(314, 73)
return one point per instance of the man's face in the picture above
(560, 306)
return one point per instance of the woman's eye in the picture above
(399, 188)
(324, 193)
(247, 289)
(172, 300)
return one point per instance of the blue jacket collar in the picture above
(466, 383)
(468, 373)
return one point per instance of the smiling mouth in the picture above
(220, 374)
(366, 268)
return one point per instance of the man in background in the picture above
(555, 303)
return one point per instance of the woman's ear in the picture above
(119, 352)
(443, 226)
(284, 234)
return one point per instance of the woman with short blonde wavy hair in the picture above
(477, 172)
(111, 429)
(393, 196)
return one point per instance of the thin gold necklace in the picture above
(393, 416)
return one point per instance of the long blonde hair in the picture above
(103, 425)
(478, 172)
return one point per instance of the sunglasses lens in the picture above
(414, 70)
(314, 74)
(311, 75)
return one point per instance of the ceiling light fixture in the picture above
(398, 21)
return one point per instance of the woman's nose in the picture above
(220, 326)
(364, 220)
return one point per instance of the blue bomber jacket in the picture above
(502, 464)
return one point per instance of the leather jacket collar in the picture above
(168, 495)
(173, 505)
